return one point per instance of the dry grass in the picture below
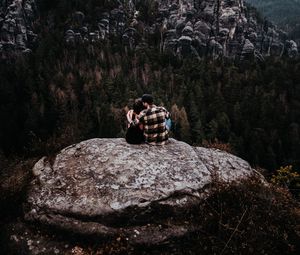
(14, 179)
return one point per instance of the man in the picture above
(153, 120)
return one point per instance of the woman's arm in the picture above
(129, 116)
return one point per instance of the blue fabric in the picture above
(168, 124)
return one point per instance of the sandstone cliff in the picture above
(184, 28)
(16, 26)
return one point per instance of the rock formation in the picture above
(16, 32)
(185, 27)
(107, 188)
(197, 28)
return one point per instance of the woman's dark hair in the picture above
(138, 106)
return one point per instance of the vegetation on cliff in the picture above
(63, 93)
(54, 98)
(282, 12)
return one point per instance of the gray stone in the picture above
(194, 19)
(209, 13)
(94, 36)
(200, 46)
(188, 31)
(84, 30)
(248, 48)
(170, 34)
(215, 48)
(79, 17)
(292, 48)
(173, 7)
(252, 36)
(258, 56)
(70, 32)
(27, 51)
(224, 32)
(185, 40)
(200, 36)
(78, 37)
(203, 27)
(20, 41)
(164, 12)
(180, 24)
(108, 188)
(228, 16)
(104, 22)
(276, 49)
(229, 3)
(171, 45)
(15, 26)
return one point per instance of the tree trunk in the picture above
(217, 13)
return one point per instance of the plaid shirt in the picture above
(153, 120)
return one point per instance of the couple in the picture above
(147, 122)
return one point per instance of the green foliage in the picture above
(282, 12)
(73, 94)
(284, 176)
(288, 178)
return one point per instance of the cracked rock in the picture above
(107, 188)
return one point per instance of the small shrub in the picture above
(248, 217)
(288, 178)
(285, 176)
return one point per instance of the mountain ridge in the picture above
(284, 13)
(183, 28)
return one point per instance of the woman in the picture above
(134, 134)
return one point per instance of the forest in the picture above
(284, 13)
(63, 93)
(51, 99)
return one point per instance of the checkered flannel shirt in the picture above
(153, 120)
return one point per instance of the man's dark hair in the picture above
(147, 98)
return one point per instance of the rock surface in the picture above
(16, 26)
(108, 188)
(183, 28)
(193, 28)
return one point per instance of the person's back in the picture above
(134, 134)
(153, 120)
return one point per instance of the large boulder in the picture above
(108, 188)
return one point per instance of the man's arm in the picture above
(141, 119)
(167, 114)
(141, 116)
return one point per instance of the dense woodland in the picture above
(58, 97)
(284, 13)
(61, 94)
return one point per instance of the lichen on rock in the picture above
(106, 187)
